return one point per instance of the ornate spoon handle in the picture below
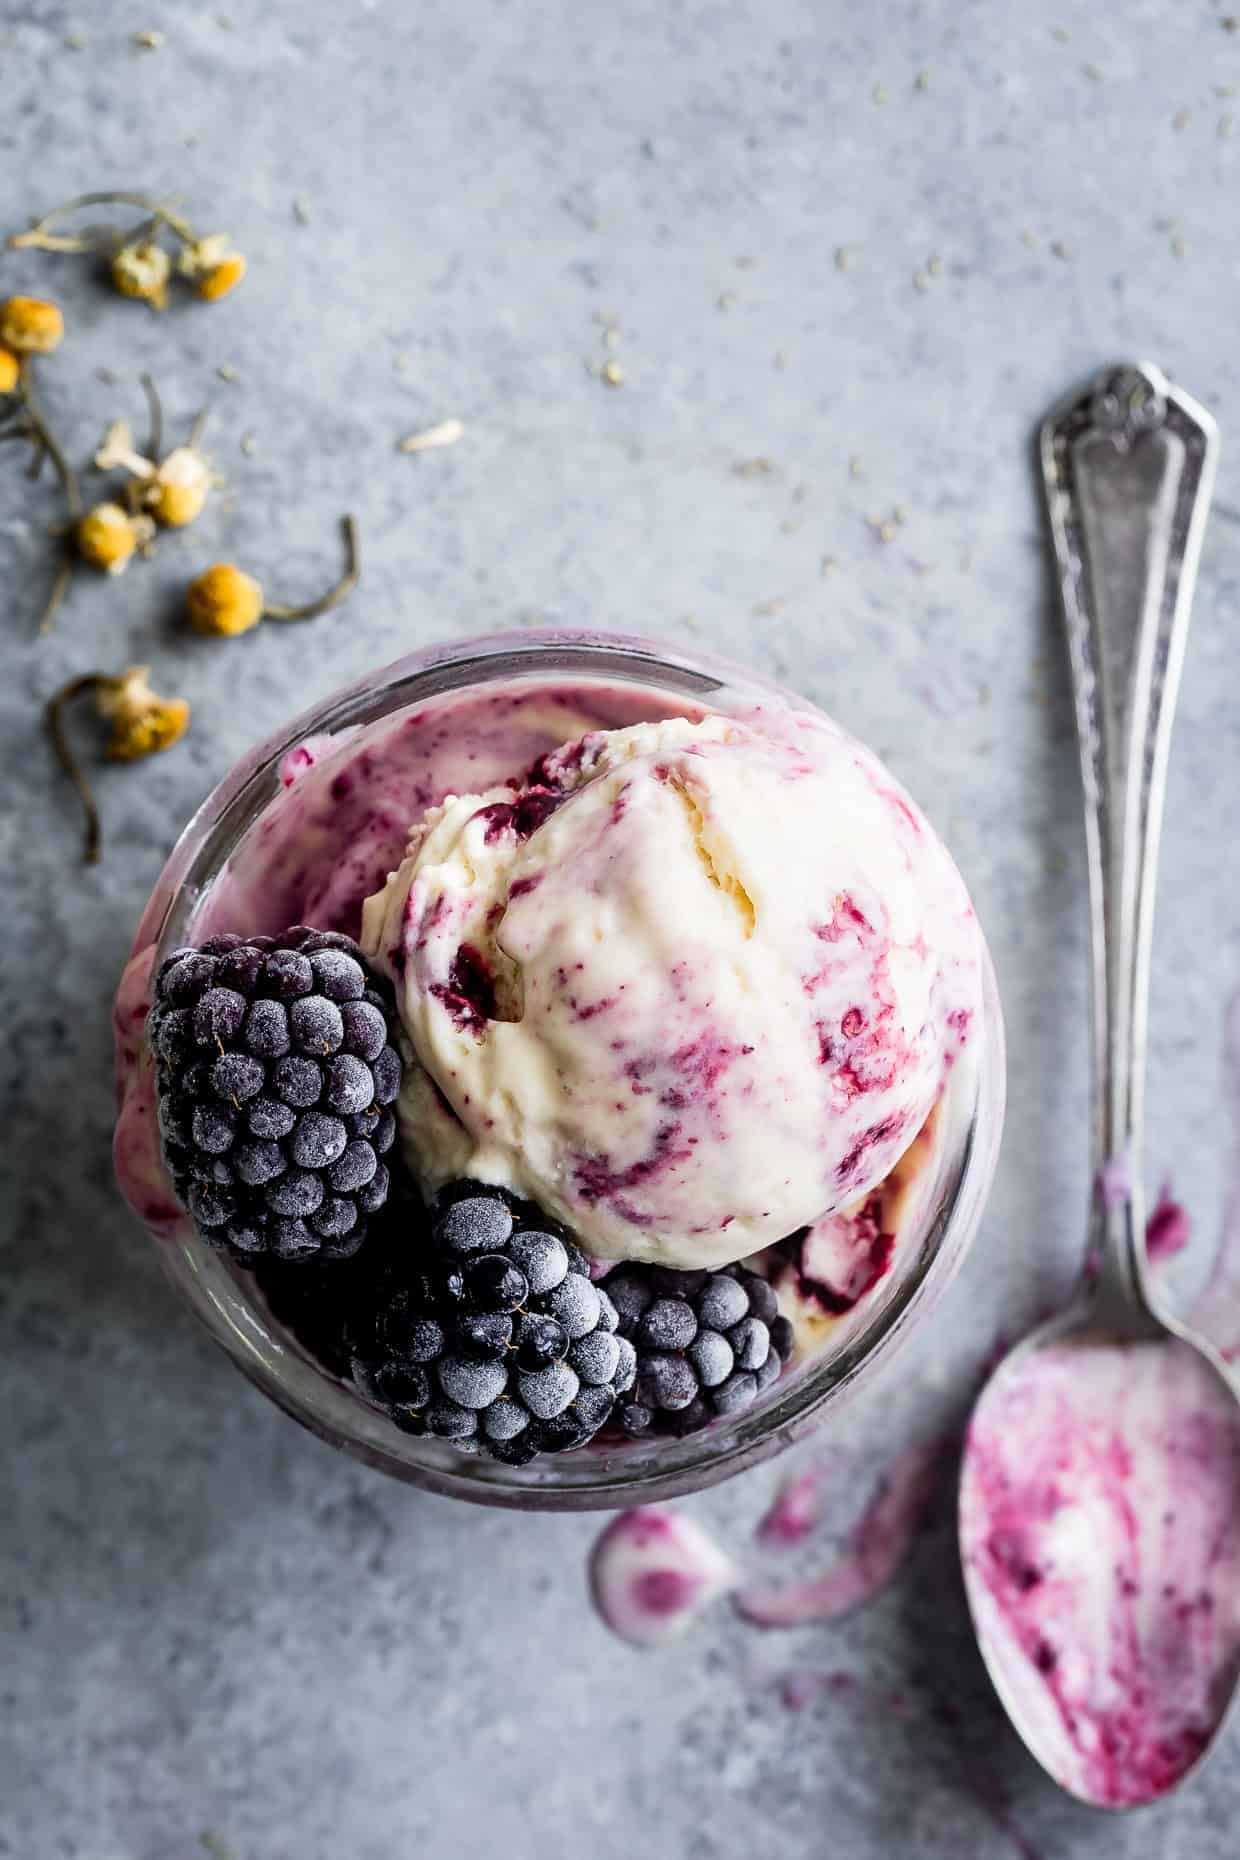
(1128, 467)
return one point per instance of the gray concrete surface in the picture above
(218, 1637)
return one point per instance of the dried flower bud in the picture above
(142, 722)
(178, 490)
(142, 270)
(221, 278)
(224, 601)
(10, 371)
(31, 325)
(107, 537)
(211, 266)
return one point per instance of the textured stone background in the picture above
(219, 1637)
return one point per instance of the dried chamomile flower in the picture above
(174, 490)
(141, 267)
(224, 601)
(142, 724)
(107, 537)
(31, 325)
(178, 490)
(212, 266)
(142, 270)
(10, 371)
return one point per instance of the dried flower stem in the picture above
(59, 588)
(56, 708)
(155, 429)
(43, 239)
(343, 588)
(46, 438)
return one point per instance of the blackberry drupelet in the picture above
(276, 1071)
(703, 1344)
(491, 1333)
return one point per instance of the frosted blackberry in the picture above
(521, 1352)
(276, 1065)
(694, 1345)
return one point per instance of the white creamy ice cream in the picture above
(691, 986)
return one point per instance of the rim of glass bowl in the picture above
(596, 1477)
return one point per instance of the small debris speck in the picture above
(1226, 124)
(249, 444)
(1060, 33)
(1224, 90)
(1181, 120)
(1092, 73)
(800, 494)
(611, 338)
(227, 372)
(922, 81)
(753, 468)
(827, 566)
(884, 529)
(934, 266)
(856, 467)
(691, 623)
(612, 374)
(921, 280)
(402, 360)
(726, 300)
(106, 375)
(779, 361)
(76, 41)
(1061, 248)
(148, 41)
(843, 258)
(301, 210)
(446, 433)
(1029, 237)
(899, 514)
(764, 610)
(790, 525)
(606, 319)
(1230, 23)
(745, 263)
(879, 93)
(1177, 245)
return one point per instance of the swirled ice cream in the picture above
(691, 985)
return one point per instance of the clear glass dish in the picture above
(951, 1190)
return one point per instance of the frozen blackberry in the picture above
(276, 1062)
(694, 1345)
(314, 1301)
(520, 1348)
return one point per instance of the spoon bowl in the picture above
(1100, 1486)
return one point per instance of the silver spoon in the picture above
(1100, 1488)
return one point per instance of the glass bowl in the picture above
(952, 1188)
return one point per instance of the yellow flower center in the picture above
(31, 325)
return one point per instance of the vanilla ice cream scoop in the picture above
(691, 986)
